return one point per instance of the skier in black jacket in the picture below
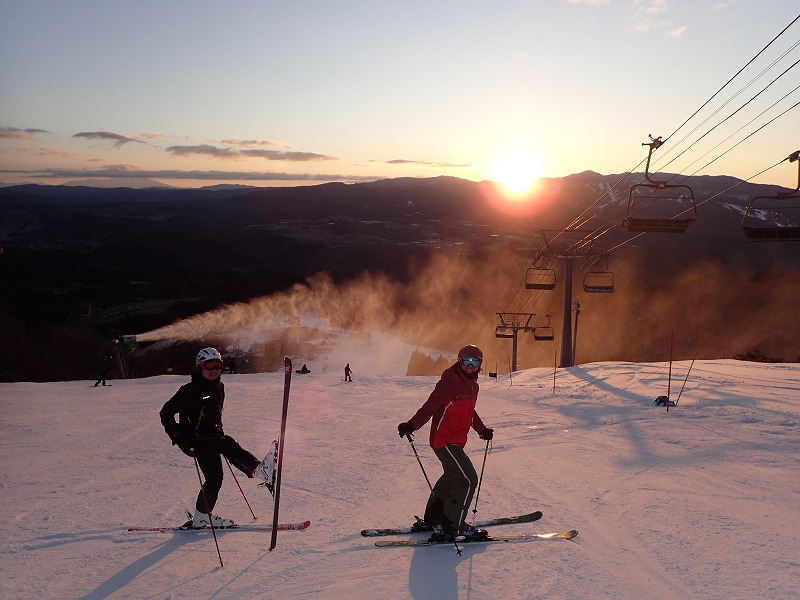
(198, 433)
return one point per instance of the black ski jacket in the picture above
(198, 405)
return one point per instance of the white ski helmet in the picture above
(207, 354)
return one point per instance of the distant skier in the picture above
(452, 407)
(101, 377)
(347, 371)
(198, 433)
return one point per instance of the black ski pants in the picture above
(209, 453)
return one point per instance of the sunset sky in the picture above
(194, 92)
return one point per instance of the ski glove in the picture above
(180, 436)
(186, 448)
(487, 434)
(405, 429)
(183, 440)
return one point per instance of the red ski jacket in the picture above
(452, 406)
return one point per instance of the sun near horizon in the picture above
(516, 172)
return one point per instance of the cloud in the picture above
(233, 153)
(291, 156)
(678, 31)
(403, 161)
(117, 138)
(589, 1)
(161, 136)
(646, 16)
(257, 143)
(19, 134)
(205, 149)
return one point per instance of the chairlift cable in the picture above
(735, 76)
(603, 195)
(724, 104)
(690, 146)
(745, 125)
(743, 181)
(749, 136)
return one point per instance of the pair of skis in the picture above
(235, 527)
(421, 526)
(561, 535)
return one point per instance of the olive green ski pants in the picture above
(452, 494)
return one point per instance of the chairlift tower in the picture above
(570, 245)
(510, 325)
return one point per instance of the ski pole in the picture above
(480, 480)
(411, 441)
(208, 510)
(696, 352)
(255, 518)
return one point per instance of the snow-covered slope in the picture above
(701, 502)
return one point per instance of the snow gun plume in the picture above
(443, 303)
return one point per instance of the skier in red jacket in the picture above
(451, 405)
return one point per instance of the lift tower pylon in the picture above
(568, 245)
(510, 325)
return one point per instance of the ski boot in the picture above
(420, 525)
(471, 533)
(265, 471)
(443, 535)
(201, 520)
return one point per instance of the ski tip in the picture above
(296, 526)
(568, 535)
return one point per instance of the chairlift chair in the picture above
(598, 282)
(774, 218)
(649, 213)
(544, 333)
(652, 205)
(501, 331)
(540, 279)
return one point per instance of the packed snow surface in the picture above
(701, 501)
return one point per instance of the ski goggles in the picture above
(471, 361)
(212, 365)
